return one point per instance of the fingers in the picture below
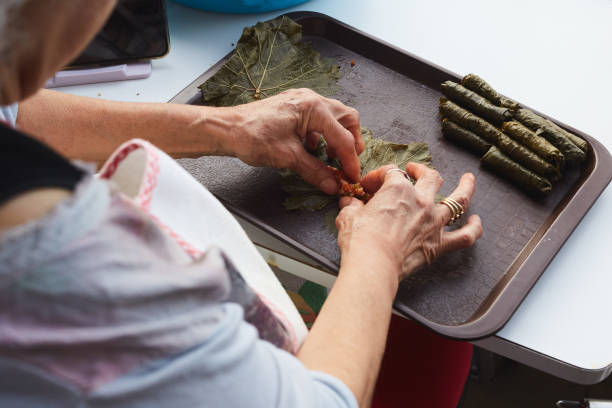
(359, 143)
(462, 194)
(341, 144)
(372, 181)
(314, 171)
(340, 126)
(428, 180)
(350, 201)
(349, 118)
(463, 237)
(312, 140)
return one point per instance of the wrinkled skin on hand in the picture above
(275, 131)
(401, 223)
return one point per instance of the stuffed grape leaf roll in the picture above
(495, 160)
(475, 83)
(469, 121)
(527, 158)
(573, 147)
(464, 137)
(475, 103)
(534, 142)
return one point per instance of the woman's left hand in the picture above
(401, 226)
(273, 132)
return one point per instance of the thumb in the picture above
(350, 207)
(347, 201)
(315, 172)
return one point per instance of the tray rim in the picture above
(526, 274)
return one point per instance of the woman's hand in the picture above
(271, 132)
(401, 224)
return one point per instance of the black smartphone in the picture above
(136, 30)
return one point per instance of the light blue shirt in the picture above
(9, 114)
(99, 308)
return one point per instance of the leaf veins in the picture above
(269, 58)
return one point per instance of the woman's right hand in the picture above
(401, 226)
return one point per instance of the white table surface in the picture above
(553, 55)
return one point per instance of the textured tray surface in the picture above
(397, 108)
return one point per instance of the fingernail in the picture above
(329, 186)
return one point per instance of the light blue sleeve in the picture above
(9, 114)
(232, 369)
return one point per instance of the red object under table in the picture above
(421, 369)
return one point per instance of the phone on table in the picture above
(136, 30)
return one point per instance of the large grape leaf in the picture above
(269, 58)
(377, 152)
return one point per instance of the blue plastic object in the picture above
(240, 6)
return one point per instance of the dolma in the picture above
(469, 121)
(475, 83)
(577, 140)
(573, 154)
(534, 142)
(527, 158)
(475, 103)
(573, 147)
(464, 137)
(495, 160)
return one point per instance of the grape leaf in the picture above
(269, 58)
(377, 152)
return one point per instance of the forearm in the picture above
(91, 129)
(348, 337)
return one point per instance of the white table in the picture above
(553, 55)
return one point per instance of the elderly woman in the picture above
(99, 307)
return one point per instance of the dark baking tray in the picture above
(467, 294)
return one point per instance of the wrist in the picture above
(372, 265)
(219, 128)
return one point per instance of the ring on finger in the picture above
(455, 208)
(401, 171)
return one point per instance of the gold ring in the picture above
(401, 171)
(456, 209)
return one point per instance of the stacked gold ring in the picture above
(456, 209)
